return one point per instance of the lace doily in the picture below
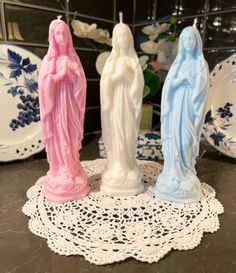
(106, 230)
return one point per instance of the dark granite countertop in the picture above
(23, 252)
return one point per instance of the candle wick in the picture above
(121, 16)
(59, 17)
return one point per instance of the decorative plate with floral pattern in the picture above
(220, 121)
(20, 132)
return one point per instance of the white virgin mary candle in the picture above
(121, 101)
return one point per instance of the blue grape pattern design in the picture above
(29, 112)
(27, 92)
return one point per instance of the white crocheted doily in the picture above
(106, 230)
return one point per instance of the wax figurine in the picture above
(121, 100)
(62, 94)
(182, 114)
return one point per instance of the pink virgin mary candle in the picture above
(62, 95)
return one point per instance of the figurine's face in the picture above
(61, 35)
(123, 40)
(189, 41)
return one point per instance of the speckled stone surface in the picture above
(23, 252)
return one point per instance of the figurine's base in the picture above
(173, 198)
(60, 189)
(186, 191)
(114, 191)
(118, 182)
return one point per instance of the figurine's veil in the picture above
(116, 32)
(115, 53)
(48, 67)
(109, 90)
(198, 47)
(202, 67)
(53, 50)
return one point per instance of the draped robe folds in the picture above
(182, 117)
(121, 101)
(62, 107)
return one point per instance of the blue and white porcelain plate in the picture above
(220, 121)
(20, 132)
